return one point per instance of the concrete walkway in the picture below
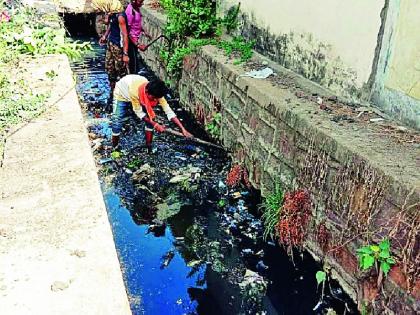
(57, 254)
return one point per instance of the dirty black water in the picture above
(182, 250)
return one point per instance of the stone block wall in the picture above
(363, 187)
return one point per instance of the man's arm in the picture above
(123, 28)
(138, 110)
(181, 126)
(172, 117)
(104, 37)
(156, 126)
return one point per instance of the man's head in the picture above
(156, 89)
(137, 3)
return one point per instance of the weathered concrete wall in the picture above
(332, 42)
(396, 86)
(360, 182)
(404, 68)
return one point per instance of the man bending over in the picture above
(136, 91)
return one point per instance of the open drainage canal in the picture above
(187, 243)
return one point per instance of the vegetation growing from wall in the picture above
(271, 208)
(237, 175)
(213, 126)
(286, 217)
(294, 218)
(194, 23)
(376, 255)
(358, 201)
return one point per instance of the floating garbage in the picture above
(374, 120)
(145, 171)
(247, 251)
(165, 210)
(167, 258)
(236, 195)
(261, 266)
(254, 286)
(179, 178)
(105, 160)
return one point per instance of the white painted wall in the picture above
(404, 66)
(350, 26)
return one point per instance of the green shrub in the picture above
(371, 255)
(271, 208)
(198, 19)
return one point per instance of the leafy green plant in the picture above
(230, 21)
(213, 127)
(366, 309)
(174, 60)
(372, 255)
(237, 46)
(115, 155)
(271, 208)
(106, 171)
(221, 203)
(51, 74)
(195, 18)
(186, 185)
(26, 34)
(192, 24)
(19, 107)
(134, 164)
(321, 278)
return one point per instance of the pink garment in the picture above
(134, 22)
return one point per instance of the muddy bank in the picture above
(187, 243)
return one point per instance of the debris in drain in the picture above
(105, 160)
(144, 172)
(167, 258)
(179, 178)
(157, 228)
(261, 266)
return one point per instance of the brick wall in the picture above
(363, 185)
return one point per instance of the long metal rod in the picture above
(179, 134)
(155, 40)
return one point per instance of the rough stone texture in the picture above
(57, 254)
(360, 180)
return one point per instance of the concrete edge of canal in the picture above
(57, 253)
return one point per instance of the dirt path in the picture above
(57, 254)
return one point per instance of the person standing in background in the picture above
(135, 29)
(116, 58)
